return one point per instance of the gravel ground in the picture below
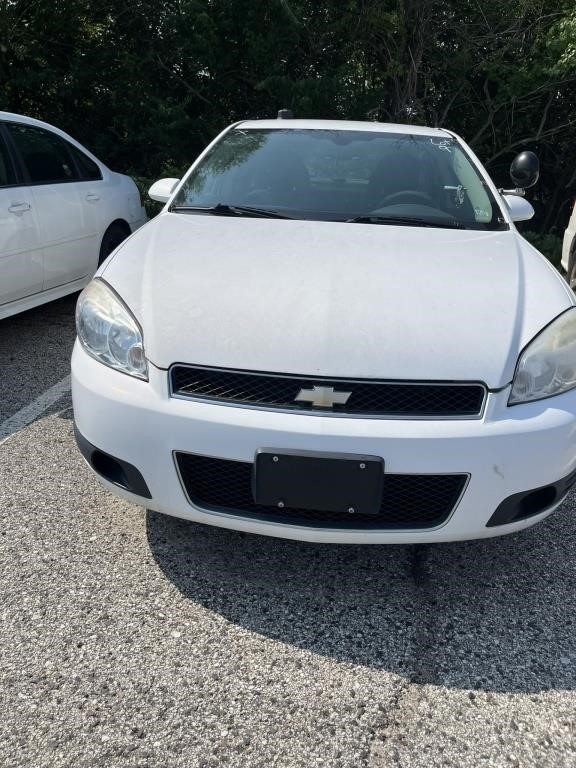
(134, 639)
(35, 350)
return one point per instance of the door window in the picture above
(7, 176)
(45, 156)
(89, 171)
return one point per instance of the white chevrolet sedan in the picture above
(62, 212)
(332, 332)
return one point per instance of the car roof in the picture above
(24, 119)
(345, 125)
(27, 120)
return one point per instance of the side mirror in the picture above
(520, 209)
(162, 190)
(525, 170)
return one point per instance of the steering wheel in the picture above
(406, 196)
(257, 193)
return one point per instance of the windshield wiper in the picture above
(408, 221)
(230, 210)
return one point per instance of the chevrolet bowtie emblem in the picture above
(322, 397)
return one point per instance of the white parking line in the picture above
(36, 408)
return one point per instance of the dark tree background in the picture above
(146, 84)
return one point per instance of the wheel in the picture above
(113, 236)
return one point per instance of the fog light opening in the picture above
(537, 501)
(109, 469)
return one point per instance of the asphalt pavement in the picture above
(133, 639)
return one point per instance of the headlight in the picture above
(547, 367)
(108, 331)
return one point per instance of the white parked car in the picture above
(62, 212)
(569, 250)
(333, 332)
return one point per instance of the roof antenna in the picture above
(285, 114)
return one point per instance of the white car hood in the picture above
(335, 299)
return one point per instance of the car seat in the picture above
(396, 172)
(280, 180)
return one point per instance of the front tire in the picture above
(114, 235)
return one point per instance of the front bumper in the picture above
(508, 451)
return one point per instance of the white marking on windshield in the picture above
(445, 144)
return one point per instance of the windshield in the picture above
(340, 175)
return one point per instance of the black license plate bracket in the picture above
(324, 482)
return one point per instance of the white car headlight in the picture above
(547, 367)
(108, 331)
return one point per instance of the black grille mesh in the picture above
(409, 501)
(368, 397)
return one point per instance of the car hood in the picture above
(335, 299)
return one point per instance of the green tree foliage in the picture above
(146, 84)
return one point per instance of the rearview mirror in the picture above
(161, 191)
(520, 209)
(525, 170)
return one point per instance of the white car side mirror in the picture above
(162, 190)
(520, 209)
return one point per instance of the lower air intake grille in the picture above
(409, 501)
(356, 397)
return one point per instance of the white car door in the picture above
(21, 259)
(68, 224)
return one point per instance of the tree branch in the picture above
(180, 79)
(531, 139)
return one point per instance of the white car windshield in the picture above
(341, 175)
